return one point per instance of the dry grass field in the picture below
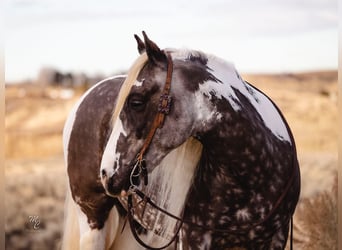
(36, 181)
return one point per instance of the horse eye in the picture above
(137, 104)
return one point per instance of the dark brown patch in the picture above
(88, 138)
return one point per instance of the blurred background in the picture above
(96, 36)
(55, 50)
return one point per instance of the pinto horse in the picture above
(180, 153)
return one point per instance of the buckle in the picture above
(164, 104)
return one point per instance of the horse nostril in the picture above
(104, 173)
(110, 183)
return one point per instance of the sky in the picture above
(96, 36)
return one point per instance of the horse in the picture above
(180, 153)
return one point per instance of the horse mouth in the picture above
(119, 183)
(115, 185)
(116, 190)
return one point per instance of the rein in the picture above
(139, 170)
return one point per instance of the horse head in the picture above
(140, 100)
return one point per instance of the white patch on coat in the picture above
(139, 83)
(110, 156)
(243, 214)
(226, 73)
(204, 113)
(206, 244)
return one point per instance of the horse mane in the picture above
(170, 183)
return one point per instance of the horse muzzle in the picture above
(119, 182)
(115, 183)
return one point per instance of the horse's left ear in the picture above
(154, 54)
(141, 45)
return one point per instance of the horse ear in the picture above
(154, 54)
(141, 45)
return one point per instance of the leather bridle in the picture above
(163, 109)
(139, 168)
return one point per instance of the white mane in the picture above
(170, 184)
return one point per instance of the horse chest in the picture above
(225, 220)
(224, 205)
